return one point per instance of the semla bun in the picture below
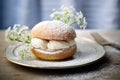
(54, 31)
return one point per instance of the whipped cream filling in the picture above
(51, 45)
(39, 43)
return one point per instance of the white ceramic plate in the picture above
(87, 52)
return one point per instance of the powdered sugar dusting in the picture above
(53, 30)
(60, 26)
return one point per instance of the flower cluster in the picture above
(70, 16)
(18, 33)
(25, 53)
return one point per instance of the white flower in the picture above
(72, 8)
(83, 23)
(23, 27)
(19, 33)
(56, 14)
(67, 10)
(79, 14)
(77, 19)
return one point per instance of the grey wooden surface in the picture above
(108, 68)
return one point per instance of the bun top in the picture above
(53, 30)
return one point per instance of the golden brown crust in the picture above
(53, 30)
(58, 55)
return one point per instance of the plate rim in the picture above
(51, 67)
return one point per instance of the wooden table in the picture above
(108, 68)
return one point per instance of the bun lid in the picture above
(53, 30)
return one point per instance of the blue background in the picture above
(100, 14)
